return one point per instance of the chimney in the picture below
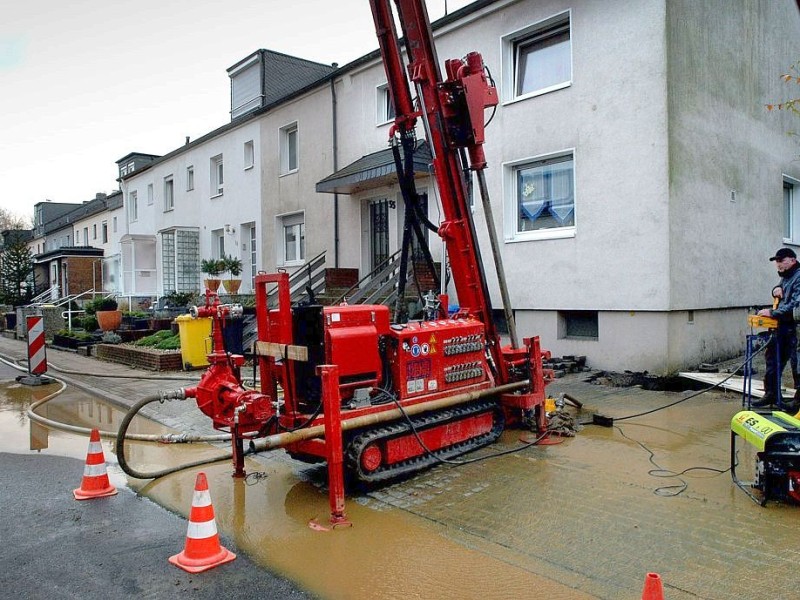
(187, 140)
(100, 196)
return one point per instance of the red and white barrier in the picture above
(37, 357)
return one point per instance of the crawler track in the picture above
(394, 431)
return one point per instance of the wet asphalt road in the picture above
(56, 547)
(53, 547)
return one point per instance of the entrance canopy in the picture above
(373, 171)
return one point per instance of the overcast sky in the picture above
(84, 82)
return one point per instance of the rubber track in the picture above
(421, 423)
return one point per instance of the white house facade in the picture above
(194, 203)
(637, 181)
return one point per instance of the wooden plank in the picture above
(735, 383)
(283, 351)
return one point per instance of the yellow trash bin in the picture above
(195, 337)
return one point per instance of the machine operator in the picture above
(782, 347)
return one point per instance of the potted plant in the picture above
(212, 267)
(105, 310)
(233, 266)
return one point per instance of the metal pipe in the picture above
(290, 437)
(335, 149)
(498, 263)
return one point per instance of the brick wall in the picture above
(84, 273)
(340, 278)
(140, 358)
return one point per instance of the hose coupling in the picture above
(179, 394)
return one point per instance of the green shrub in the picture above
(212, 266)
(169, 343)
(176, 299)
(161, 340)
(81, 336)
(89, 323)
(100, 304)
(109, 337)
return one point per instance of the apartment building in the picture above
(637, 181)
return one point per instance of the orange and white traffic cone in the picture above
(95, 482)
(652, 587)
(203, 550)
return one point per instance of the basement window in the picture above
(578, 325)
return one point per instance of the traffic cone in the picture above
(203, 550)
(652, 587)
(95, 482)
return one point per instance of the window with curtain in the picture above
(545, 194)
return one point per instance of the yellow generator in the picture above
(776, 437)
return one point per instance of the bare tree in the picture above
(11, 221)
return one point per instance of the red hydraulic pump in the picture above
(374, 394)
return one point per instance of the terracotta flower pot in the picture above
(232, 285)
(109, 320)
(212, 284)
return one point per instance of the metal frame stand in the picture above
(747, 388)
(745, 486)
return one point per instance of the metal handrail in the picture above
(48, 292)
(298, 280)
(383, 269)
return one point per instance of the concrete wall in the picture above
(727, 152)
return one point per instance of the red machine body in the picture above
(401, 396)
(430, 357)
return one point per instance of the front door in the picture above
(379, 232)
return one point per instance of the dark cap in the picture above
(784, 253)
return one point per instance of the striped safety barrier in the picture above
(37, 357)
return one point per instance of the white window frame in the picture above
(282, 222)
(218, 243)
(169, 193)
(104, 232)
(189, 178)
(791, 210)
(510, 203)
(217, 176)
(249, 155)
(286, 134)
(150, 194)
(253, 256)
(94, 231)
(384, 108)
(510, 45)
(114, 224)
(133, 207)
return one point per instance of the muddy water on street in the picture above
(582, 519)
(388, 553)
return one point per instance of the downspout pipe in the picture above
(335, 148)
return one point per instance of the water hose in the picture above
(165, 438)
(122, 435)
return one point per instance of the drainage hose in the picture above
(122, 435)
(166, 438)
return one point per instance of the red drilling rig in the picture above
(345, 384)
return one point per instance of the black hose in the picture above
(123, 428)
